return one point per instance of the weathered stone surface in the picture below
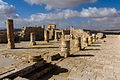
(52, 57)
(93, 38)
(43, 26)
(25, 33)
(89, 39)
(56, 36)
(10, 33)
(100, 35)
(84, 42)
(65, 48)
(77, 43)
(103, 65)
(20, 78)
(3, 37)
(46, 36)
(32, 39)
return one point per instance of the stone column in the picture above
(85, 42)
(10, 34)
(56, 36)
(43, 26)
(65, 48)
(46, 36)
(89, 39)
(49, 27)
(77, 45)
(63, 36)
(32, 39)
(93, 38)
(54, 27)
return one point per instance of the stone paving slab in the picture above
(6, 61)
(97, 62)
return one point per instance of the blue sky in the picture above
(25, 10)
(64, 12)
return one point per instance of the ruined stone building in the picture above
(3, 37)
(25, 33)
(77, 32)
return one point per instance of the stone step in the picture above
(40, 72)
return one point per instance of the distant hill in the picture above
(111, 32)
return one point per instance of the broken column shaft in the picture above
(46, 36)
(89, 39)
(77, 45)
(56, 36)
(85, 41)
(10, 34)
(32, 39)
(65, 48)
(93, 38)
(43, 26)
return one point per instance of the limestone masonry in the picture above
(48, 53)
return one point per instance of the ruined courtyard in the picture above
(39, 53)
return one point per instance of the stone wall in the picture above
(3, 37)
(64, 32)
(76, 32)
(25, 34)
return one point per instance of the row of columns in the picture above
(11, 36)
(65, 45)
(79, 43)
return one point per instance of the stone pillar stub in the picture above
(84, 42)
(54, 27)
(43, 26)
(56, 36)
(65, 48)
(32, 38)
(77, 44)
(89, 39)
(46, 36)
(63, 35)
(93, 38)
(10, 34)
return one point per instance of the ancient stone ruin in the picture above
(10, 34)
(46, 52)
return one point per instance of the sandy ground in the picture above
(12, 58)
(100, 61)
(97, 62)
(24, 49)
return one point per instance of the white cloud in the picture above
(60, 3)
(93, 13)
(64, 14)
(108, 16)
(7, 11)
(98, 12)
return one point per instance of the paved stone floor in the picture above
(10, 58)
(6, 61)
(98, 62)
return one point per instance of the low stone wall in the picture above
(3, 37)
